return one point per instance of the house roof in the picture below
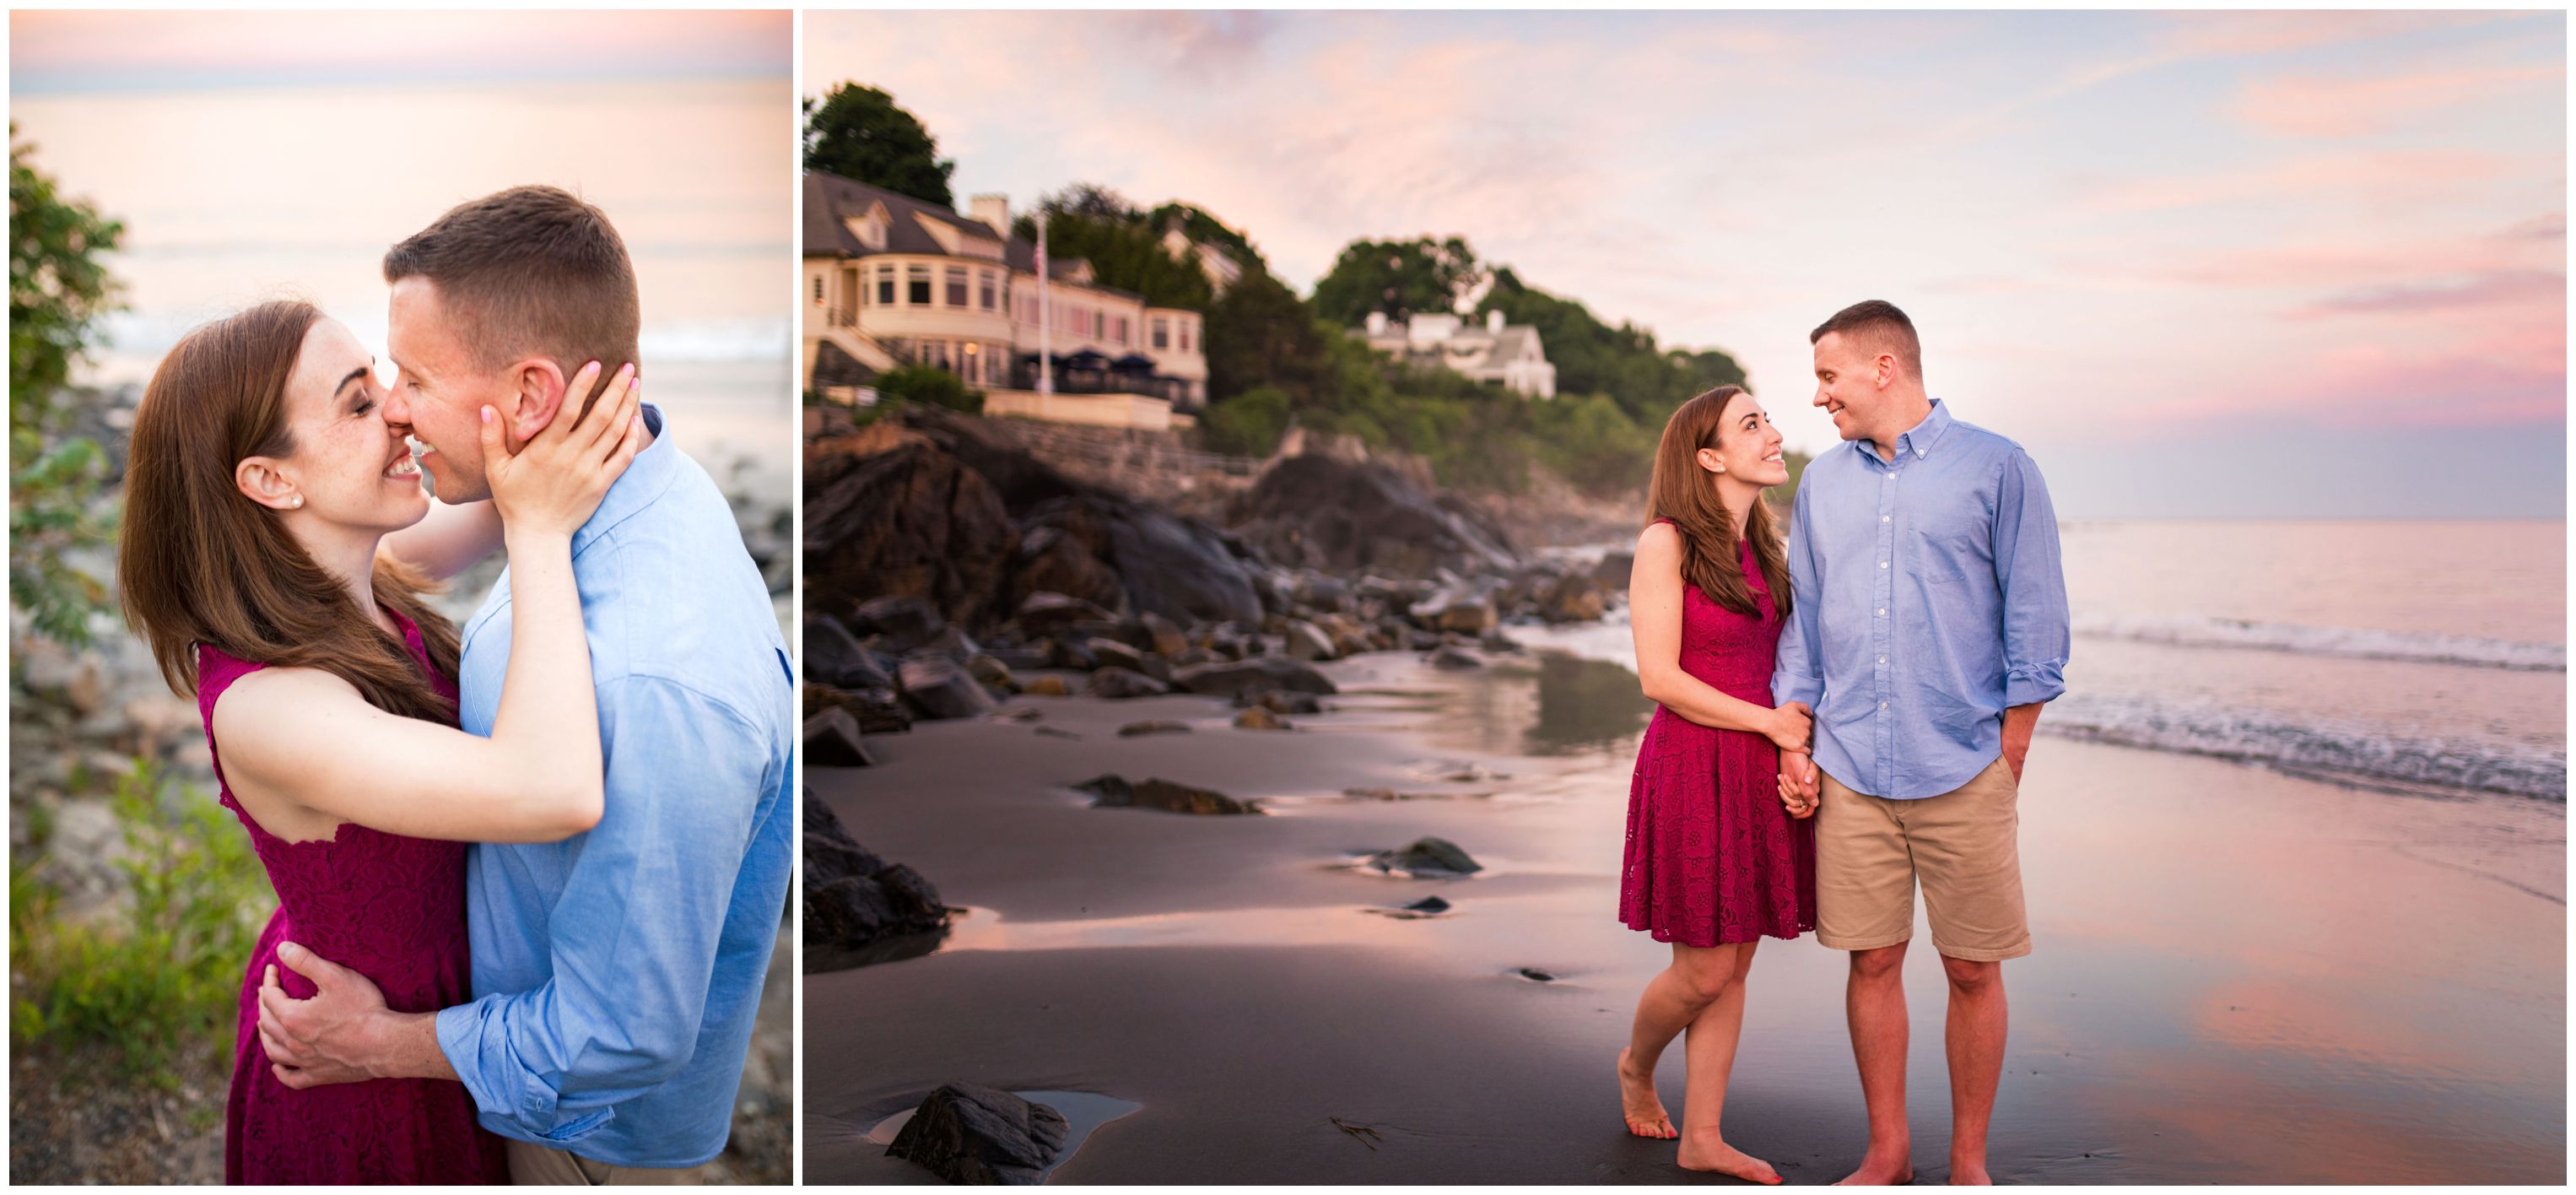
(830, 201)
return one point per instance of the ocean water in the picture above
(2413, 657)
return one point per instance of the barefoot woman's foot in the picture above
(1894, 1170)
(1970, 1174)
(1717, 1157)
(1638, 1102)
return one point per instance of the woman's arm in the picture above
(1655, 619)
(451, 540)
(303, 739)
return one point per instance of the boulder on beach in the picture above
(1280, 701)
(1426, 859)
(1261, 717)
(911, 521)
(852, 898)
(1046, 612)
(1112, 653)
(833, 656)
(877, 711)
(1119, 684)
(1133, 729)
(1454, 658)
(1117, 792)
(1345, 517)
(968, 1133)
(938, 687)
(1046, 686)
(983, 667)
(1306, 641)
(1612, 573)
(1255, 674)
(832, 741)
(1573, 597)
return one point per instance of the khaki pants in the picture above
(1965, 847)
(542, 1166)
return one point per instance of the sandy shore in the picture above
(2239, 976)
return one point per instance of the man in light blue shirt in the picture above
(617, 973)
(1931, 625)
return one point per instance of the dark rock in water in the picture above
(1428, 904)
(1261, 717)
(1306, 642)
(1258, 673)
(1133, 729)
(853, 899)
(1612, 573)
(1454, 611)
(1118, 684)
(1047, 612)
(938, 688)
(1534, 975)
(1116, 792)
(1496, 640)
(877, 711)
(832, 741)
(1427, 858)
(1340, 517)
(1453, 658)
(1114, 654)
(1280, 701)
(911, 521)
(968, 1133)
(906, 621)
(834, 657)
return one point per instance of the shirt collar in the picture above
(646, 477)
(1918, 441)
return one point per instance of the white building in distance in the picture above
(1494, 353)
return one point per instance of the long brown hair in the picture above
(200, 563)
(1682, 491)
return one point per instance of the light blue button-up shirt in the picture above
(617, 973)
(1930, 599)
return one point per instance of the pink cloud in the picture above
(254, 44)
(2352, 107)
(2498, 288)
(2389, 176)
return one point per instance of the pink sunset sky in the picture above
(2207, 264)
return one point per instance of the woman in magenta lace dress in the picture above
(1718, 854)
(270, 513)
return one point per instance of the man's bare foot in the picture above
(1638, 1102)
(1717, 1157)
(1891, 1168)
(1970, 1174)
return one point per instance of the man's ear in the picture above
(1887, 369)
(539, 386)
(260, 479)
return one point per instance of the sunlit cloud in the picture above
(2353, 107)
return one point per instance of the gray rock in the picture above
(1261, 717)
(1427, 858)
(1254, 675)
(938, 688)
(834, 657)
(1113, 654)
(1046, 612)
(1117, 792)
(1133, 729)
(1308, 642)
(832, 741)
(967, 1133)
(1119, 684)
(1455, 659)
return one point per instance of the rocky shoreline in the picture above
(948, 569)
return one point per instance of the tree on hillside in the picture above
(859, 133)
(1594, 358)
(58, 289)
(1202, 228)
(1094, 223)
(1398, 278)
(1259, 333)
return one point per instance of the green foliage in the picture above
(58, 289)
(859, 133)
(1260, 334)
(1398, 278)
(1203, 229)
(929, 384)
(1248, 424)
(1125, 251)
(164, 976)
(1594, 358)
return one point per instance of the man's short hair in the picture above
(1887, 328)
(529, 270)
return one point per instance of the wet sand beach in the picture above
(2239, 976)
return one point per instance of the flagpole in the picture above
(1046, 316)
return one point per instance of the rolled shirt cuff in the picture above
(1790, 686)
(2033, 684)
(511, 1105)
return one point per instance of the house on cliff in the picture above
(892, 281)
(1495, 353)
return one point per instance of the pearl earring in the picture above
(298, 503)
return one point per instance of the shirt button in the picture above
(1882, 612)
(1882, 705)
(1891, 477)
(1882, 518)
(1882, 564)
(1882, 659)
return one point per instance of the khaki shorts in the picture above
(533, 1165)
(1963, 844)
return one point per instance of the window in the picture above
(1162, 333)
(1099, 324)
(986, 277)
(935, 353)
(917, 284)
(1185, 336)
(1118, 329)
(818, 290)
(956, 286)
(885, 286)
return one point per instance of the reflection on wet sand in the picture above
(2239, 976)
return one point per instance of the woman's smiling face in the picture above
(349, 465)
